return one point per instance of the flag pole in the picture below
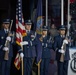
(22, 64)
(62, 12)
(68, 25)
(46, 12)
(22, 73)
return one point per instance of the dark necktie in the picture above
(28, 32)
(6, 31)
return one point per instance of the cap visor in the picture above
(6, 22)
(28, 23)
(62, 28)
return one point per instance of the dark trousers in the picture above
(5, 67)
(62, 67)
(44, 66)
(27, 66)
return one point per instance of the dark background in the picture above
(8, 9)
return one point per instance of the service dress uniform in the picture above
(5, 64)
(46, 45)
(58, 43)
(30, 50)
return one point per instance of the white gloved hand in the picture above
(65, 41)
(5, 48)
(24, 43)
(61, 51)
(21, 55)
(8, 38)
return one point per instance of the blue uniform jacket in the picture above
(3, 36)
(58, 41)
(46, 46)
(33, 48)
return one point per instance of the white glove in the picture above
(24, 43)
(8, 38)
(61, 51)
(21, 55)
(5, 48)
(65, 41)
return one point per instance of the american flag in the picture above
(20, 30)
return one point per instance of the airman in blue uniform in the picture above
(30, 48)
(5, 48)
(61, 46)
(46, 46)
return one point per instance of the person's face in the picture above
(44, 32)
(62, 32)
(52, 26)
(28, 27)
(6, 25)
